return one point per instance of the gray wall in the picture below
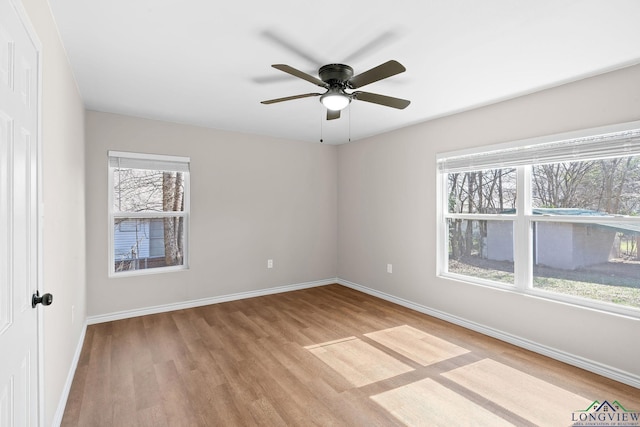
(252, 199)
(64, 199)
(387, 214)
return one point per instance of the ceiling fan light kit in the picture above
(336, 78)
(335, 99)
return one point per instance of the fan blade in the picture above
(280, 39)
(289, 98)
(387, 101)
(376, 44)
(300, 74)
(333, 114)
(388, 69)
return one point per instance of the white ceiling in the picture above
(207, 62)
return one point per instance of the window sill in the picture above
(570, 300)
(147, 272)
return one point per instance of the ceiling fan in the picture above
(337, 78)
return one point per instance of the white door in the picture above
(18, 220)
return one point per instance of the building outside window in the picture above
(557, 217)
(148, 213)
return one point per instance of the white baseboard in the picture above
(62, 403)
(204, 301)
(589, 365)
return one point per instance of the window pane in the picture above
(606, 186)
(148, 243)
(597, 260)
(486, 191)
(481, 249)
(141, 190)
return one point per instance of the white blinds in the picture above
(124, 160)
(595, 144)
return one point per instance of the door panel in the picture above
(18, 221)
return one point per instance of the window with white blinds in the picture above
(557, 216)
(148, 212)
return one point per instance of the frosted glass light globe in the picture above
(334, 100)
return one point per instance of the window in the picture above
(557, 217)
(148, 213)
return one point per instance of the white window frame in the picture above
(155, 162)
(588, 144)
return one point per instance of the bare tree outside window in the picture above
(610, 185)
(477, 192)
(173, 200)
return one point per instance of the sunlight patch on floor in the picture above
(418, 346)
(427, 403)
(358, 362)
(536, 400)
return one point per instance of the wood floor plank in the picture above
(264, 411)
(123, 395)
(201, 394)
(76, 394)
(418, 346)
(495, 381)
(175, 402)
(244, 363)
(360, 363)
(426, 402)
(147, 390)
(98, 380)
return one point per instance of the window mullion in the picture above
(522, 234)
(476, 217)
(149, 214)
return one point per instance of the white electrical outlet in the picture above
(389, 268)
(269, 263)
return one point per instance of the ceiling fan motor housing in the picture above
(333, 74)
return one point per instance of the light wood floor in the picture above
(322, 356)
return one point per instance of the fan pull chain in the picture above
(349, 122)
(321, 117)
